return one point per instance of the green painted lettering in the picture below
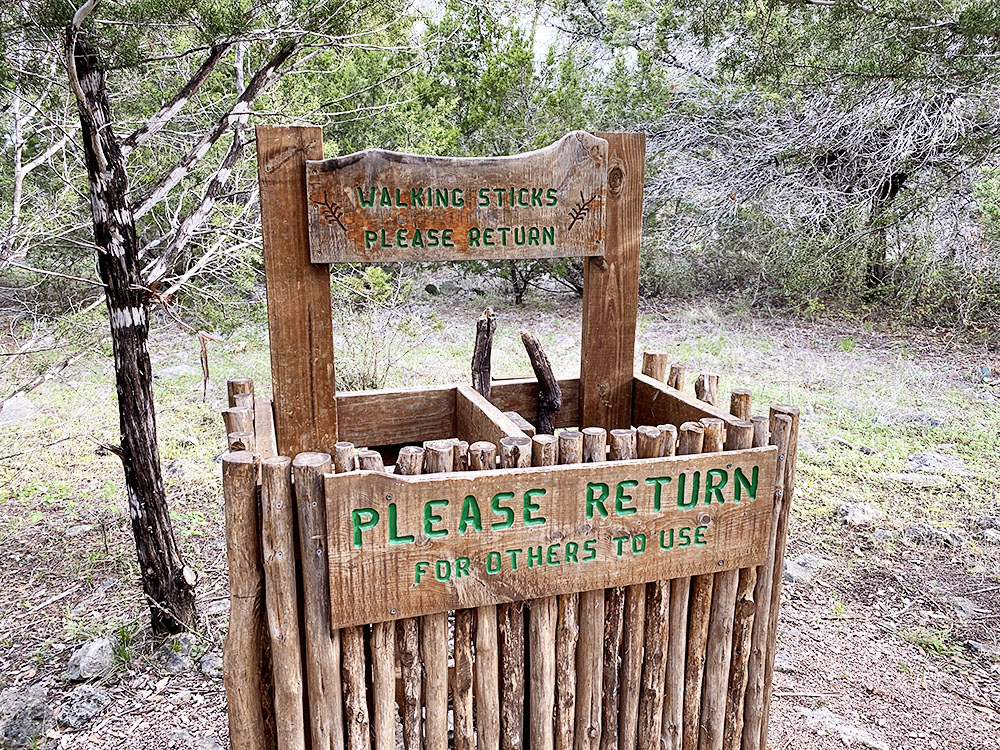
(363, 519)
(502, 510)
(493, 563)
(638, 544)
(417, 197)
(419, 569)
(597, 502)
(535, 556)
(470, 515)
(473, 237)
(619, 544)
(571, 550)
(667, 541)
(431, 518)
(442, 570)
(386, 197)
(370, 238)
(548, 235)
(743, 484)
(536, 196)
(550, 555)
(550, 197)
(532, 236)
(658, 482)
(699, 536)
(685, 537)
(394, 537)
(513, 557)
(371, 197)
(531, 507)
(715, 480)
(695, 483)
(621, 497)
(590, 547)
(462, 567)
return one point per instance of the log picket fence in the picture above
(680, 662)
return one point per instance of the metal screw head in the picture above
(392, 611)
(721, 563)
(388, 496)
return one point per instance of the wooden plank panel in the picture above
(654, 402)
(378, 206)
(402, 538)
(265, 439)
(521, 395)
(392, 417)
(477, 419)
(611, 292)
(298, 294)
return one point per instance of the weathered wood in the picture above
(718, 657)
(623, 444)
(426, 516)
(611, 292)
(544, 450)
(461, 685)
(298, 294)
(369, 460)
(521, 395)
(655, 364)
(542, 619)
(487, 669)
(792, 412)
(753, 718)
(761, 430)
(740, 403)
(673, 704)
(238, 385)
(549, 395)
(656, 403)
(567, 636)
(438, 456)
(263, 423)
(383, 648)
(411, 667)
(478, 419)
(678, 377)
(395, 416)
(669, 433)
(512, 694)
(241, 441)
(739, 436)
(743, 618)
(434, 650)
(691, 438)
(706, 388)
(410, 460)
(589, 671)
(322, 645)
(482, 456)
(344, 457)
(278, 547)
(633, 634)
(237, 419)
(515, 452)
(595, 443)
(653, 689)
(460, 455)
(245, 401)
(649, 442)
(522, 424)
(697, 643)
(715, 435)
(412, 672)
(244, 655)
(355, 696)
(482, 353)
(367, 207)
(570, 447)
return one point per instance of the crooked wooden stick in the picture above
(549, 394)
(482, 353)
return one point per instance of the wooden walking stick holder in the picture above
(411, 568)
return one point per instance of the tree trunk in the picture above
(167, 582)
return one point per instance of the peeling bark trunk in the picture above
(878, 265)
(167, 582)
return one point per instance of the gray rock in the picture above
(74, 531)
(866, 449)
(964, 608)
(804, 568)
(883, 535)
(175, 468)
(990, 536)
(181, 738)
(986, 397)
(859, 514)
(989, 522)
(18, 409)
(785, 662)
(92, 659)
(922, 533)
(175, 653)
(936, 462)
(917, 480)
(827, 722)
(82, 704)
(177, 371)
(211, 664)
(984, 649)
(25, 716)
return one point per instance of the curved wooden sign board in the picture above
(380, 206)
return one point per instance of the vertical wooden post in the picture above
(568, 626)
(611, 291)
(243, 666)
(298, 294)
(322, 650)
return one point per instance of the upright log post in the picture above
(542, 620)
(410, 462)
(482, 353)
(568, 627)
